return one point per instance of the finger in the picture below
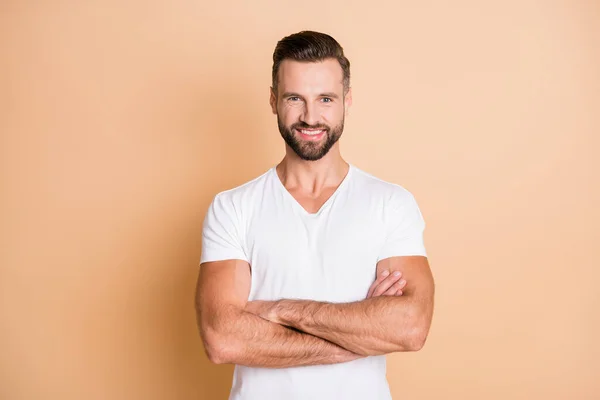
(395, 289)
(401, 284)
(381, 278)
(387, 283)
(391, 291)
(371, 290)
(377, 281)
(398, 288)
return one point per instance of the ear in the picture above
(273, 101)
(348, 100)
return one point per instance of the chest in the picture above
(330, 257)
(311, 204)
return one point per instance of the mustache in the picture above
(303, 125)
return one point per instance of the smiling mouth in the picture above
(311, 134)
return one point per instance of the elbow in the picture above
(218, 349)
(413, 340)
(214, 354)
(416, 339)
(215, 357)
(417, 342)
(416, 332)
(219, 343)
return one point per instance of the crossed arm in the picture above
(232, 334)
(374, 326)
(286, 333)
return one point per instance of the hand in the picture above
(387, 284)
(264, 309)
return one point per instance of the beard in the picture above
(310, 150)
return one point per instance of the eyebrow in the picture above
(292, 94)
(329, 94)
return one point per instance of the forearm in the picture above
(374, 326)
(243, 338)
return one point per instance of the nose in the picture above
(310, 115)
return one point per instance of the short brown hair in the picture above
(310, 46)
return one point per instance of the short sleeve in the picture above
(405, 230)
(220, 233)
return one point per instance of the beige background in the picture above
(121, 120)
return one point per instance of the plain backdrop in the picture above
(120, 120)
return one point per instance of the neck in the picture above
(312, 176)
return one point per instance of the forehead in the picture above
(320, 76)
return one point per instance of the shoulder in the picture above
(393, 195)
(234, 198)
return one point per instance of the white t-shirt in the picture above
(330, 256)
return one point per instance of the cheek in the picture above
(333, 115)
(289, 114)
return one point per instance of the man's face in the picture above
(310, 106)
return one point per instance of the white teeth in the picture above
(312, 133)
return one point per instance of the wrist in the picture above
(299, 314)
(281, 311)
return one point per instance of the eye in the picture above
(327, 99)
(293, 98)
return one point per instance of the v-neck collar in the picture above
(295, 202)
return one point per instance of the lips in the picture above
(311, 134)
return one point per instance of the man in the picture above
(313, 271)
